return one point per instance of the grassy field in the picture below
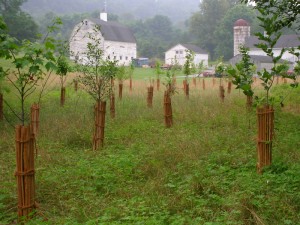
(200, 171)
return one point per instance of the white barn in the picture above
(117, 41)
(179, 51)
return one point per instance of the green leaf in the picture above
(50, 66)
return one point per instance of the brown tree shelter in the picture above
(98, 138)
(150, 96)
(62, 96)
(222, 93)
(120, 90)
(25, 172)
(168, 109)
(265, 124)
(229, 85)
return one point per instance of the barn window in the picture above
(120, 57)
(86, 23)
(115, 57)
(181, 52)
(177, 52)
(126, 57)
(108, 57)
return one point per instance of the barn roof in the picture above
(285, 41)
(194, 48)
(259, 58)
(113, 31)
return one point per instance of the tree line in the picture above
(211, 27)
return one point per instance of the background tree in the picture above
(20, 24)
(224, 31)
(287, 12)
(204, 22)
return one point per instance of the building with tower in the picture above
(241, 31)
(117, 41)
(242, 36)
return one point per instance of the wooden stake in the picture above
(194, 81)
(203, 84)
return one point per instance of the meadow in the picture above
(200, 171)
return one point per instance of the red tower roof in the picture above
(241, 23)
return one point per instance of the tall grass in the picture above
(200, 171)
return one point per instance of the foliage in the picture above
(158, 70)
(194, 175)
(29, 59)
(221, 68)
(201, 67)
(223, 33)
(63, 68)
(269, 21)
(204, 23)
(242, 72)
(283, 13)
(20, 24)
(121, 74)
(189, 59)
(96, 73)
(169, 82)
(155, 35)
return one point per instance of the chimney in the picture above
(103, 16)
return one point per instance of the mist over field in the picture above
(176, 10)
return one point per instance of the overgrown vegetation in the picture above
(189, 174)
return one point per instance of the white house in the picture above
(117, 41)
(179, 51)
(242, 36)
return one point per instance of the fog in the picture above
(176, 10)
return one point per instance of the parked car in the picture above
(207, 73)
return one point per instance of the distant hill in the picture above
(176, 10)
